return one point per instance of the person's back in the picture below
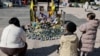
(69, 44)
(11, 37)
(92, 26)
(69, 41)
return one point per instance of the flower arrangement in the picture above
(46, 29)
(51, 33)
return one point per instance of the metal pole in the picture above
(48, 6)
(58, 4)
(63, 17)
(35, 15)
(57, 7)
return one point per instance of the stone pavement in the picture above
(47, 48)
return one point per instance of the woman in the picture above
(13, 39)
(89, 31)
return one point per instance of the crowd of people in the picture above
(13, 39)
(20, 3)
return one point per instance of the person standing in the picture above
(19, 2)
(13, 39)
(86, 6)
(64, 2)
(69, 41)
(89, 31)
(1, 4)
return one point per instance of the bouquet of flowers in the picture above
(46, 33)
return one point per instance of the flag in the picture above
(31, 4)
(52, 5)
(32, 18)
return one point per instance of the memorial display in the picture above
(44, 25)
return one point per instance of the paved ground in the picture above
(46, 48)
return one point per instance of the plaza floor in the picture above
(47, 48)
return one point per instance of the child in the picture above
(88, 37)
(69, 41)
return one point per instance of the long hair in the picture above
(14, 21)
